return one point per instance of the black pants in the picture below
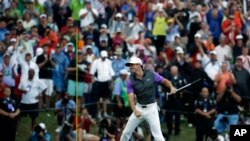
(169, 117)
(188, 100)
(203, 128)
(32, 110)
(174, 108)
(121, 112)
(216, 41)
(159, 42)
(94, 97)
(8, 130)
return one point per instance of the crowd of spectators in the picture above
(53, 51)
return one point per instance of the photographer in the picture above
(65, 108)
(228, 112)
(40, 133)
(107, 131)
(67, 133)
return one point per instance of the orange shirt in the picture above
(237, 20)
(52, 37)
(209, 46)
(54, 40)
(81, 44)
(222, 80)
(225, 24)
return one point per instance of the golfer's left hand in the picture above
(173, 90)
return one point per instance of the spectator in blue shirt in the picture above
(3, 30)
(92, 44)
(40, 133)
(214, 20)
(119, 63)
(62, 62)
(65, 108)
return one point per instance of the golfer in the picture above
(142, 84)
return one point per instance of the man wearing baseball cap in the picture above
(87, 15)
(142, 83)
(103, 73)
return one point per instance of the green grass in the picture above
(187, 133)
(24, 128)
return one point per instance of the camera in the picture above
(224, 120)
(66, 127)
(65, 101)
(228, 91)
(104, 123)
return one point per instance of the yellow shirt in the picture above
(160, 26)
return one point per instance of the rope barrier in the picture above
(111, 103)
(93, 103)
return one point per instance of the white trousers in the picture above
(150, 115)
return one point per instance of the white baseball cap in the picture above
(88, 47)
(20, 20)
(119, 15)
(179, 50)
(239, 37)
(197, 35)
(104, 26)
(213, 52)
(42, 125)
(104, 53)
(13, 40)
(134, 60)
(70, 44)
(66, 37)
(177, 36)
(43, 16)
(124, 72)
(39, 51)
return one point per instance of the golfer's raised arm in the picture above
(165, 82)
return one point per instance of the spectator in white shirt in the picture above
(223, 50)
(116, 23)
(27, 64)
(27, 44)
(32, 89)
(99, 5)
(6, 69)
(28, 22)
(210, 64)
(135, 27)
(87, 15)
(103, 68)
(14, 51)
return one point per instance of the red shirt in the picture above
(170, 53)
(2, 86)
(142, 8)
(64, 30)
(83, 124)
